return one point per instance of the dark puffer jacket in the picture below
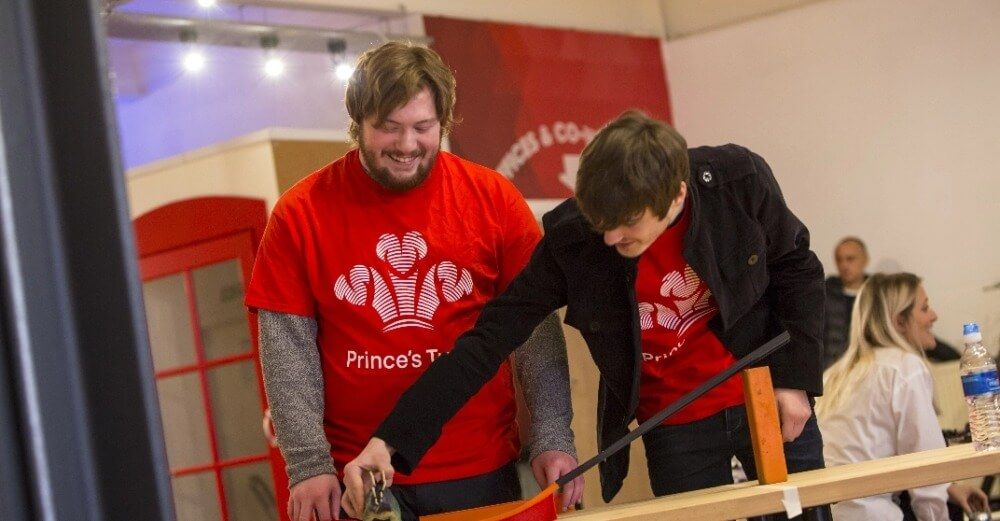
(837, 329)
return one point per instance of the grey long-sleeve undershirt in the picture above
(293, 380)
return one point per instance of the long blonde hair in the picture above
(883, 298)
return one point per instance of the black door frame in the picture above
(80, 434)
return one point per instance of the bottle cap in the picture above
(970, 333)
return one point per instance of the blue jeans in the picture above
(698, 454)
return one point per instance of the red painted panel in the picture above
(530, 98)
(197, 220)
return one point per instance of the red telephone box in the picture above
(195, 259)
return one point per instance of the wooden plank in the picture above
(765, 427)
(817, 487)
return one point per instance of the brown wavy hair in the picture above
(388, 76)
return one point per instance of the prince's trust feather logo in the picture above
(689, 301)
(402, 294)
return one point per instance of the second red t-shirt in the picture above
(679, 351)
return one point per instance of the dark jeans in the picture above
(500, 486)
(698, 454)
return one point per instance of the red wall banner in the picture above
(530, 98)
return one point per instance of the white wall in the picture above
(880, 119)
(243, 167)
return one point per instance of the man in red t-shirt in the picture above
(368, 271)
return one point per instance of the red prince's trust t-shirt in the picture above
(679, 352)
(392, 279)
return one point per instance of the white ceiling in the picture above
(687, 17)
(678, 18)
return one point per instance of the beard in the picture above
(384, 177)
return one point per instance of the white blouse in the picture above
(890, 412)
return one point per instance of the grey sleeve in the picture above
(293, 380)
(543, 372)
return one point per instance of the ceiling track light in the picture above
(231, 33)
(274, 67)
(269, 41)
(193, 60)
(343, 71)
(188, 35)
(337, 47)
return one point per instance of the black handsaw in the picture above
(755, 356)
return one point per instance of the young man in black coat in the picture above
(672, 263)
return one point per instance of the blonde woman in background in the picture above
(878, 398)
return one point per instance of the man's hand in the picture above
(375, 457)
(793, 411)
(552, 465)
(317, 496)
(971, 499)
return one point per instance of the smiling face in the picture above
(916, 327)
(398, 153)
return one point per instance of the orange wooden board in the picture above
(765, 426)
(542, 507)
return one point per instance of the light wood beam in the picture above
(815, 487)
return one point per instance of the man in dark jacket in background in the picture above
(851, 256)
(672, 263)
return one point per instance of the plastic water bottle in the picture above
(982, 390)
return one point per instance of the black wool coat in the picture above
(743, 241)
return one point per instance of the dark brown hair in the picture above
(388, 76)
(633, 163)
